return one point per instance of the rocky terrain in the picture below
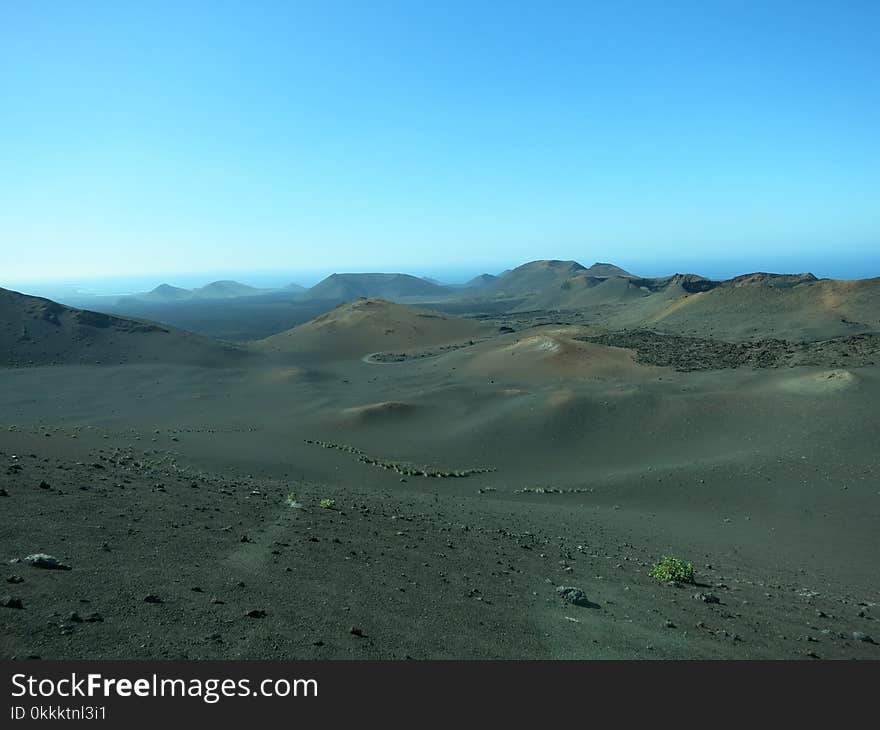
(167, 560)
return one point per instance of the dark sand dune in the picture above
(543, 353)
(356, 329)
(35, 331)
(375, 413)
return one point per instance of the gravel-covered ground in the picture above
(693, 353)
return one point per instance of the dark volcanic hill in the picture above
(533, 277)
(346, 287)
(225, 290)
(604, 270)
(789, 306)
(480, 281)
(542, 276)
(163, 293)
(36, 331)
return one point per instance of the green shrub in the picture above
(328, 503)
(672, 569)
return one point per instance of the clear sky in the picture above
(174, 137)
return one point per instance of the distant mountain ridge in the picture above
(224, 289)
(795, 305)
(345, 287)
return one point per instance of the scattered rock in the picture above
(4, 493)
(706, 597)
(94, 618)
(15, 579)
(861, 636)
(355, 631)
(48, 562)
(256, 613)
(153, 598)
(45, 485)
(569, 594)
(11, 602)
(75, 618)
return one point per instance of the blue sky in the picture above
(177, 138)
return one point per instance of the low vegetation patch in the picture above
(328, 503)
(671, 569)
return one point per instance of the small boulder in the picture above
(861, 636)
(11, 602)
(569, 594)
(47, 562)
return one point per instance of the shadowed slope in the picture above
(36, 331)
